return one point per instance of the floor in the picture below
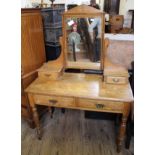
(71, 134)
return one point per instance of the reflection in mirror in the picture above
(83, 39)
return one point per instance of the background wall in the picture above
(125, 5)
(28, 3)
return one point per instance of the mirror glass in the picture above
(83, 38)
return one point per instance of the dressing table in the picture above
(56, 88)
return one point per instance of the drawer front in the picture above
(47, 75)
(54, 101)
(100, 105)
(116, 80)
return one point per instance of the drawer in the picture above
(54, 101)
(116, 80)
(100, 105)
(47, 75)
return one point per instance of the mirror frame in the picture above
(82, 14)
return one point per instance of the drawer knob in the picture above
(115, 80)
(100, 106)
(53, 101)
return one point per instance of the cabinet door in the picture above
(32, 42)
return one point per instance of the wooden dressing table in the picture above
(56, 88)
(83, 92)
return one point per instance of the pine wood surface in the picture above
(82, 85)
(71, 134)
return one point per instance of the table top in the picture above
(82, 85)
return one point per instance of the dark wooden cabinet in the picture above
(52, 26)
(132, 23)
(112, 6)
(32, 54)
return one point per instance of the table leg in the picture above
(50, 111)
(122, 129)
(121, 133)
(35, 116)
(37, 123)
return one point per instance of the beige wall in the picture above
(28, 3)
(126, 5)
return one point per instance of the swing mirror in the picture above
(83, 38)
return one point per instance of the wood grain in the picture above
(89, 93)
(32, 54)
(32, 43)
(82, 85)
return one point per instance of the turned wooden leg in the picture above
(121, 133)
(122, 129)
(50, 111)
(30, 120)
(37, 123)
(35, 116)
